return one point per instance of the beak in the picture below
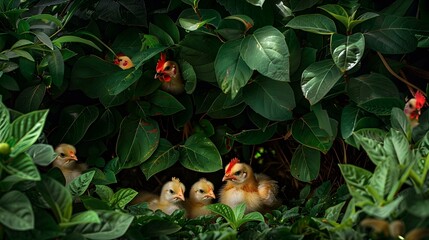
(210, 195)
(227, 177)
(156, 75)
(73, 157)
(180, 196)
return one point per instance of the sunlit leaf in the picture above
(347, 51)
(316, 23)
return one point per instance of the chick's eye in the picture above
(167, 68)
(62, 155)
(237, 173)
(171, 191)
(201, 191)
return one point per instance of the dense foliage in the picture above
(310, 92)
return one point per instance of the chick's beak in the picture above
(227, 177)
(180, 196)
(210, 194)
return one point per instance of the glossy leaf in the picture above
(80, 184)
(400, 122)
(257, 3)
(189, 76)
(16, 211)
(163, 103)
(119, 81)
(191, 21)
(232, 73)
(122, 197)
(305, 164)
(26, 129)
(164, 157)
(163, 36)
(165, 23)
(246, 20)
(273, 100)
(253, 136)
(269, 45)
(318, 79)
(338, 12)
(156, 228)
(371, 86)
(42, 154)
(200, 154)
(397, 148)
(137, 140)
(347, 51)
(222, 107)
(4, 122)
(85, 217)
(56, 67)
(299, 5)
(43, 38)
(30, 98)
(261, 16)
(349, 119)
(69, 38)
(372, 141)
(382, 106)
(57, 197)
(315, 23)
(306, 130)
(356, 178)
(74, 123)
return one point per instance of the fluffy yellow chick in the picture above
(257, 191)
(66, 161)
(172, 194)
(201, 195)
(123, 61)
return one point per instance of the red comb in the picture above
(160, 63)
(231, 164)
(420, 100)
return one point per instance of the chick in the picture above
(200, 196)
(413, 108)
(172, 194)
(66, 161)
(168, 73)
(257, 191)
(123, 61)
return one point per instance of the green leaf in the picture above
(82, 218)
(318, 79)
(333, 213)
(382, 106)
(356, 178)
(21, 43)
(57, 197)
(165, 23)
(74, 123)
(253, 216)
(191, 21)
(16, 211)
(193, 24)
(23, 54)
(156, 228)
(104, 192)
(305, 164)
(347, 51)
(137, 140)
(164, 157)
(79, 185)
(222, 107)
(193, 3)
(391, 34)
(42, 154)
(43, 38)
(4, 122)
(338, 12)
(349, 120)
(232, 73)
(163, 103)
(56, 67)
(362, 18)
(398, 8)
(299, 5)
(122, 197)
(371, 140)
(119, 81)
(112, 225)
(225, 211)
(189, 76)
(254, 136)
(46, 18)
(163, 36)
(30, 98)
(200, 154)
(69, 39)
(386, 175)
(269, 45)
(315, 23)
(246, 20)
(257, 3)
(306, 130)
(27, 129)
(371, 86)
(273, 100)
(397, 147)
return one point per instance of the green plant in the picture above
(235, 216)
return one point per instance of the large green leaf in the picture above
(4, 122)
(391, 34)
(397, 147)
(42, 154)
(385, 177)
(57, 197)
(305, 164)
(349, 120)
(223, 107)
(382, 106)
(69, 38)
(269, 45)
(157, 227)
(400, 122)
(398, 7)
(299, 5)
(16, 211)
(112, 225)
(163, 157)
(79, 185)
(74, 123)
(257, 3)
(56, 67)
(356, 178)
(85, 217)
(26, 129)
(165, 22)
(30, 98)
(347, 51)
(122, 197)
(163, 103)
(119, 81)
(307, 131)
(318, 79)
(232, 73)
(162, 35)
(316, 23)
(200, 154)
(189, 76)
(23, 167)
(272, 99)
(371, 86)
(137, 140)
(371, 140)
(190, 21)
(253, 136)
(106, 124)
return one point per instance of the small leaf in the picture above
(164, 157)
(305, 164)
(43, 38)
(122, 197)
(318, 79)
(347, 51)
(56, 67)
(372, 141)
(200, 154)
(257, 3)
(42, 154)
(189, 76)
(356, 178)
(333, 213)
(79, 185)
(16, 211)
(400, 122)
(57, 197)
(349, 119)
(223, 210)
(338, 12)
(316, 23)
(69, 38)
(246, 20)
(104, 192)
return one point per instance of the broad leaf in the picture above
(257, 3)
(189, 76)
(165, 22)
(56, 67)
(42, 154)
(69, 38)
(338, 12)
(371, 86)
(164, 157)
(356, 178)
(200, 154)
(26, 129)
(119, 81)
(400, 122)
(4, 122)
(253, 136)
(333, 213)
(57, 197)
(269, 45)
(104, 192)
(30, 98)
(223, 107)
(273, 100)
(223, 210)
(16, 211)
(384, 178)
(318, 79)
(305, 164)
(349, 119)
(85, 217)
(23, 167)
(232, 73)
(347, 51)
(397, 147)
(163, 103)
(137, 140)
(79, 185)
(316, 23)
(163, 36)
(372, 141)
(122, 197)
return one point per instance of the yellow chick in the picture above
(201, 195)
(66, 161)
